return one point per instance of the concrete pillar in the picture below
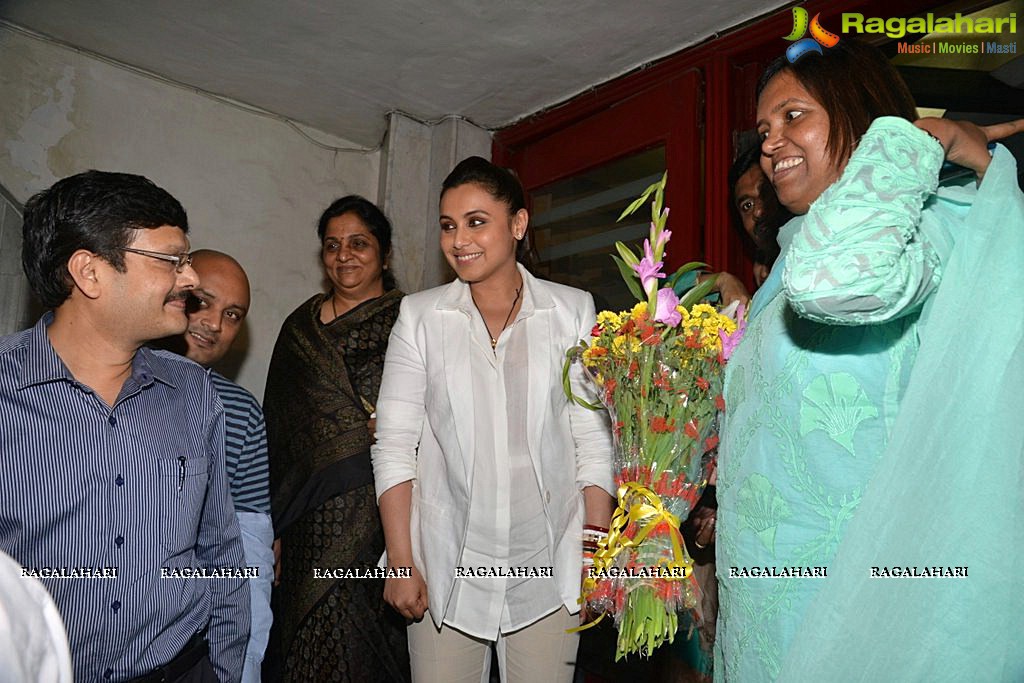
(16, 306)
(415, 159)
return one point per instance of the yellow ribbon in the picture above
(649, 511)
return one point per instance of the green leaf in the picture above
(570, 358)
(659, 198)
(627, 254)
(630, 278)
(699, 292)
(641, 200)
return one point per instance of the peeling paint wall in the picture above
(252, 185)
(16, 304)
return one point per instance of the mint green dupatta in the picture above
(949, 490)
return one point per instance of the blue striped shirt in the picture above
(140, 488)
(245, 451)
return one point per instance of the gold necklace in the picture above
(494, 340)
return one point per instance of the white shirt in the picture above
(33, 643)
(507, 527)
(427, 424)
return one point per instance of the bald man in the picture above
(216, 311)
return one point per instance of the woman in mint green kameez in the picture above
(874, 413)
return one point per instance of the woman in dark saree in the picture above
(321, 389)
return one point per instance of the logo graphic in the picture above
(819, 36)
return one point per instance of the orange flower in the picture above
(720, 402)
(703, 383)
(691, 429)
(667, 590)
(661, 529)
(652, 339)
(710, 442)
(660, 425)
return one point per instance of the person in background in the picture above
(872, 390)
(320, 397)
(757, 208)
(481, 460)
(112, 456)
(216, 311)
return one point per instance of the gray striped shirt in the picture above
(245, 452)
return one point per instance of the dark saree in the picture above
(322, 384)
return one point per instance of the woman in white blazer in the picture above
(485, 471)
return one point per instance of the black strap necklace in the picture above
(494, 339)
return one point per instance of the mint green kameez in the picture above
(833, 447)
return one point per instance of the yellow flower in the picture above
(609, 320)
(593, 353)
(701, 310)
(639, 311)
(619, 345)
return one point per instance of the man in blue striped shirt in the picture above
(112, 483)
(216, 310)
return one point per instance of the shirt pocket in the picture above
(182, 494)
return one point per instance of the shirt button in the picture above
(119, 480)
(108, 673)
(112, 420)
(119, 541)
(116, 605)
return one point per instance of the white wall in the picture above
(252, 185)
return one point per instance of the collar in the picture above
(536, 296)
(42, 364)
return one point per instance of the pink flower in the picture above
(660, 239)
(663, 238)
(648, 270)
(666, 311)
(730, 341)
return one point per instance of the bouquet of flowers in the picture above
(659, 369)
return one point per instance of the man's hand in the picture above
(965, 143)
(728, 287)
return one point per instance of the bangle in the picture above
(592, 537)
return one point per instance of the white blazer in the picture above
(425, 427)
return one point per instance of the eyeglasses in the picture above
(180, 261)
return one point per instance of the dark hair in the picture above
(764, 241)
(500, 183)
(374, 220)
(855, 84)
(96, 211)
(749, 155)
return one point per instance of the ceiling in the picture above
(342, 66)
